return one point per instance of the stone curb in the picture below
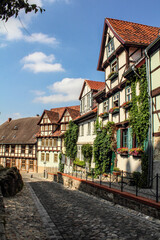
(50, 227)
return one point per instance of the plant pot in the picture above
(116, 173)
(115, 111)
(105, 115)
(124, 154)
(113, 76)
(127, 105)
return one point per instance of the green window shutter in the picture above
(146, 144)
(118, 138)
(129, 138)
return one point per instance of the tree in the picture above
(9, 8)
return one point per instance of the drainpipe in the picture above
(150, 140)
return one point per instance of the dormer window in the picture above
(110, 46)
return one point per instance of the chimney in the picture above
(37, 115)
(9, 119)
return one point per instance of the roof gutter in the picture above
(150, 131)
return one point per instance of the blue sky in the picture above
(45, 57)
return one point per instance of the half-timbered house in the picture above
(18, 143)
(88, 114)
(50, 138)
(122, 47)
(152, 53)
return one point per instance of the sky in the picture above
(46, 57)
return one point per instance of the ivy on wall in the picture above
(103, 147)
(139, 116)
(87, 150)
(70, 140)
(139, 112)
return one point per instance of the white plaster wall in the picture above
(155, 79)
(155, 60)
(114, 83)
(122, 59)
(136, 56)
(129, 164)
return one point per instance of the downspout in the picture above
(150, 139)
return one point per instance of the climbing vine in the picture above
(139, 116)
(139, 112)
(70, 140)
(87, 150)
(104, 144)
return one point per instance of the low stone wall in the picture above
(2, 218)
(141, 204)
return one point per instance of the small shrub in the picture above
(116, 169)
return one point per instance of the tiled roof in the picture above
(95, 85)
(19, 131)
(130, 32)
(86, 114)
(74, 113)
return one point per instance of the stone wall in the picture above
(2, 218)
(146, 206)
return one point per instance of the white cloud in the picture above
(41, 38)
(3, 45)
(39, 62)
(37, 92)
(15, 115)
(66, 90)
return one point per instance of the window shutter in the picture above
(129, 138)
(118, 138)
(146, 144)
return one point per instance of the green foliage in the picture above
(116, 169)
(103, 147)
(9, 8)
(139, 117)
(70, 140)
(79, 162)
(87, 150)
(60, 156)
(139, 111)
(61, 167)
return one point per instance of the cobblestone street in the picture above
(70, 214)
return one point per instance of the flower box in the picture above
(136, 152)
(104, 115)
(112, 75)
(123, 151)
(114, 110)
(127, 105)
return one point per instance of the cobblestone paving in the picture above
(23, 222)
(78, 215)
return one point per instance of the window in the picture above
(31, 165)
(7, 149)
(94, 127)
(128, 94)
(110, 47)
(89, 128)
(82, 105)
(23, 147)
(42, 128)
(47, 157)
(13, 162)
(106, 106)
(30, 149)
(114, 66)
(55, 142)
(12, 148)
(125, 138)
(42, 157)
(55, 157)
(50, 142)
(46, 128)
(23, 164)
(42, 141)
(46, 141)
(116, 100)
(82, 130)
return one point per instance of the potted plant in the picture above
(114, 110)
(116, 171)
(123, 151)
(136, 152)
(127, 104)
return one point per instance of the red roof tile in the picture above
(93, 85)
(130, 32)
